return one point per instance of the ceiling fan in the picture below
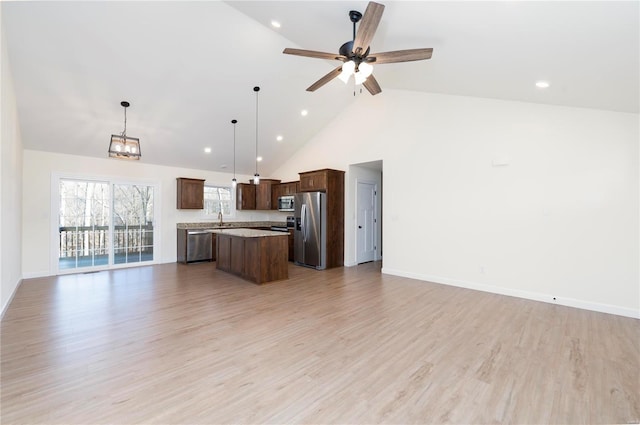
(355, 54)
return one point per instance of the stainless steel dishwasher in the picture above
(194, 245)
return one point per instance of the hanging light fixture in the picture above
(124, 147)
(234, 182)
(256, 176)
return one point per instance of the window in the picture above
(217, 199)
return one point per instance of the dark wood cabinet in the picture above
(223, 254)
(332, 183)
(256, 197)
(290, 188)
(190, 194)
(291, 242)
(237, 256)
(314, 181)
(283, 189)
(245, 196)
(258, 259)
(276, 192)
(264, 200)
(214, 240)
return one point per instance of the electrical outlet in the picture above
(482, 269)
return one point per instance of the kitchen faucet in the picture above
(220, 217)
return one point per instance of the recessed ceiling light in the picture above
(207, 150)
(275, 24)
(542, 84)
(259, 159)
(304, 112)
(279, 138)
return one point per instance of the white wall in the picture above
(11, 185)
(40, 167)
(561, 220)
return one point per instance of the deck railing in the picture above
(76, 241)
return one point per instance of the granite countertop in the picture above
(248, 233)
(230, 224)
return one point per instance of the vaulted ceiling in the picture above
(189, 68)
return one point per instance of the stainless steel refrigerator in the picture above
(310, 236)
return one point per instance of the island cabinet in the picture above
(245, 196)
(190, 194)
(256, 255)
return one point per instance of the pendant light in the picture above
(124, 147)
(256, 176)
(234, 181)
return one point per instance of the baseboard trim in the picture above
(13, 294)
(534, 296)
(33, 275)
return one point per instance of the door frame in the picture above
(54, 220)
(375, 218)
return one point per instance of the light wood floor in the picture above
(188, 344)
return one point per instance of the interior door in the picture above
(366, 222)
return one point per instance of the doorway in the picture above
(366, 220)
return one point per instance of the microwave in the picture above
(285, 203)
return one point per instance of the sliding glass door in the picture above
(133, 223)
(101, 224)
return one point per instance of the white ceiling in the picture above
(188, 68)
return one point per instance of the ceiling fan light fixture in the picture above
(365, 69)
(348, 69)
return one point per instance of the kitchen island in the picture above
(257, 255)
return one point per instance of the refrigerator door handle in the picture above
(303, 216)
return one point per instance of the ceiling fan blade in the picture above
(313, 54)
(367, 28)
(401, 56)
(324, 80)
(372, 85)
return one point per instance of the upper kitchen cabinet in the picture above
(283, 189)
(190, 194)
(263, 194)
(245, 196)
(320, 180)
(290, 188)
